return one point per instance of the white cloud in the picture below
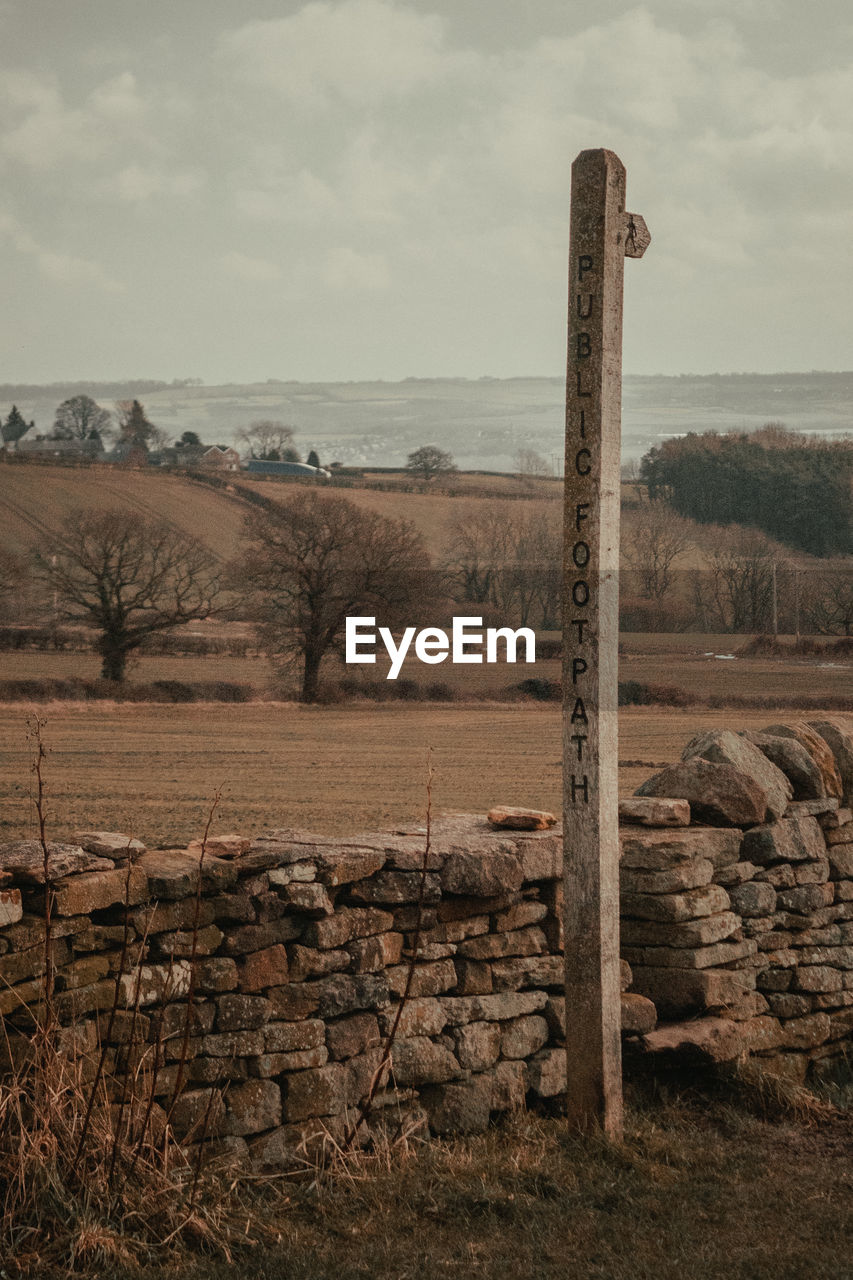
(137, 184)
(346, 269)
(59, 268)
(358, 51)
(254, 270)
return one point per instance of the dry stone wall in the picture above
(737, 916)
(250, 988)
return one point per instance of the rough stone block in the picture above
(420, 1017)
(342, 993)
(509, 1085)
(478, 1045)
(347, 923)
(713, 1039)
(23, 860)
(310, 962)
(267, 1065)
(262, 969)
(517, 917)
(80, 895)
(348, 1037)
(546, 1073)
(251, 1108)
(680, 991)
(737, 873)
(371, 954)
(297, 872)
(257, 937)
(638, 1013)
(429, 979)
(761, 1035)
(541, 858)
(753, 899)
(526, 971)
(493, 1008)
(216, 973)
(818, 749)
(837, 732)
(156, 983)
(721, 746)
(791, 840)
(307, 896)
(482, 874)
(398, 887)
(688, 933)
(460, 1107)
(817, 978)
(186, 943)
(806, 898)
(242, 1012)
(654, 811)
(718, 794)
(293, 1037)
(806, 1033)
(422, 1061)
(649, 850)
(197, 1111)
(173, 873)
(692, 904)
(785, 1004)
(692, 874)
(529, 941)
(840, 862)
(11, 908)
(348, 865)
(473, 977)
(710, 957)
(505, 818)
(318, 1092)
(522, 1037)
(798, 766)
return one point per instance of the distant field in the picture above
(688, 662)
(152, 770)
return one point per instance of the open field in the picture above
(695, 663)
(153, 769)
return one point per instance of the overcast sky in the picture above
(355, 189)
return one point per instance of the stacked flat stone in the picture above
(291, 964)
(745, 916)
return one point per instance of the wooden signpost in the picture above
(602, 235)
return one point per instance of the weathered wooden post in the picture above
(601, 236)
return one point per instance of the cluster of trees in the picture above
(307, 565)
(81, 418)
(507, 556)
(793, 488)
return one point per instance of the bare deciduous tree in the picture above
(653, 540)
(80, 416)
(269, 440)
(128, 577)
(507, 554)
(735, 592)
(317, 559)
(528, 464)
(430, 462)
(828, 603)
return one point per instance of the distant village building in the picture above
(260, 467)
(52, 447)
(220, 459)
